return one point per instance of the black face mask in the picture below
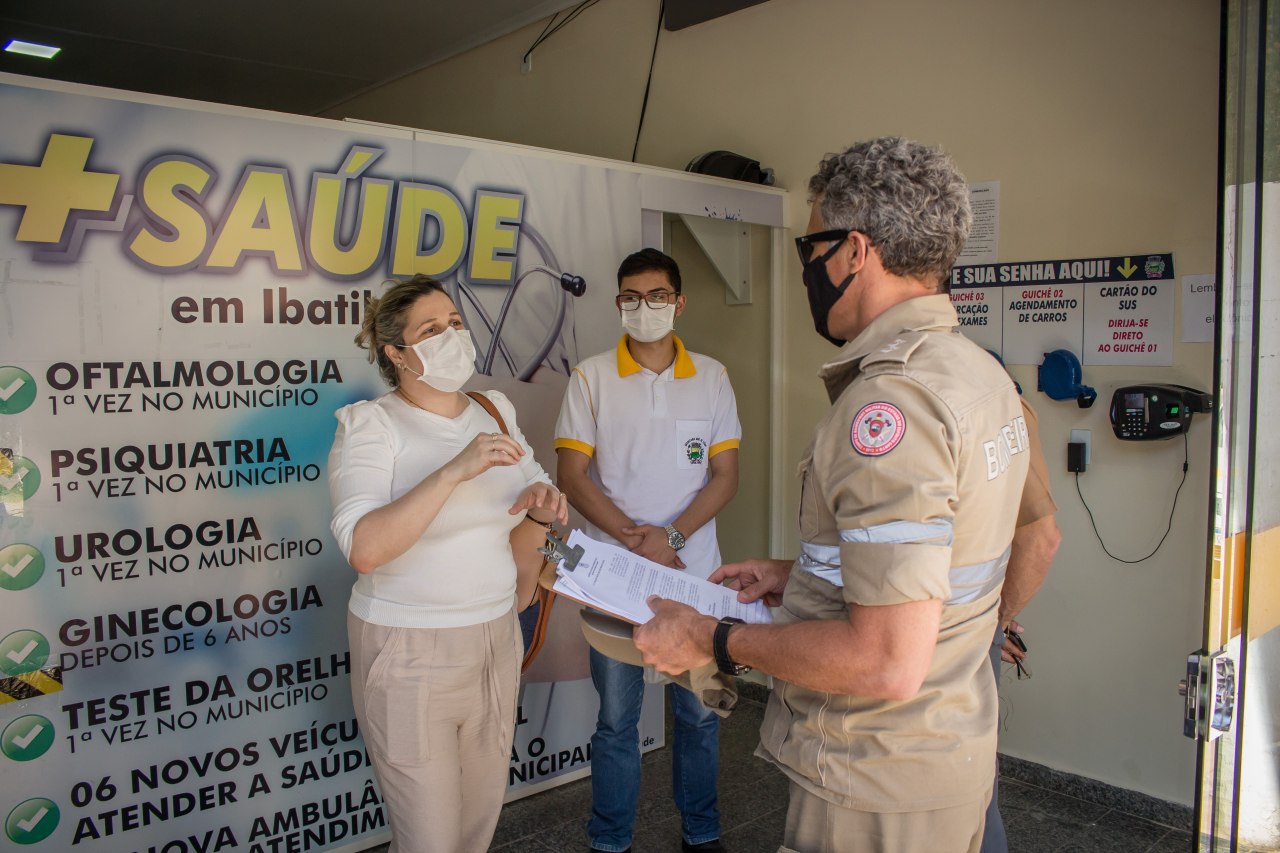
(823, 294)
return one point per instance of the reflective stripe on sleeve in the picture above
(968, 583)
(902, 533)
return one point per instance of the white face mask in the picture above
(647, 324)
(448, 359)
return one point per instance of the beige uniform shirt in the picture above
(910, 492)
(1037, 500)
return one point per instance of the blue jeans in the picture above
(994, 839)
(615, 758)
(528, 622)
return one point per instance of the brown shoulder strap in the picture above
(488, 406)
(545, 596)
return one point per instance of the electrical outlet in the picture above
(1082, 436)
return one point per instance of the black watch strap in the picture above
(720, 647)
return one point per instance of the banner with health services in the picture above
(180, 284)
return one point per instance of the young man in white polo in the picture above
(647, 442)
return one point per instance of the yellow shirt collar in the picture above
(683, 368)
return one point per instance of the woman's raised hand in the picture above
(540, 500)
(486, 450)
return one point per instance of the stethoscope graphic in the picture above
(570, 285)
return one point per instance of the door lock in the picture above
(1209, 695)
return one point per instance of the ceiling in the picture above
(299, 57)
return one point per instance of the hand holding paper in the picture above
(618, 582)
(677, 640)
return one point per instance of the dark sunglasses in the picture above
(804, 245)
(1014, 637)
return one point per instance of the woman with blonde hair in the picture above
(439, 505)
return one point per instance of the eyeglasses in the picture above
(1014, 637)
(804, 245)
(654, 299)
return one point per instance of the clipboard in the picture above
(556, 551)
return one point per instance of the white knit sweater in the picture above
(460, 572)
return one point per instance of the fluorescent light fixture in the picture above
(27, 48)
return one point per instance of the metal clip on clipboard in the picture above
(557, 551)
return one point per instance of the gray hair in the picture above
(909, 199)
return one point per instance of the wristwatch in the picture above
(674, 537)
(720, 648)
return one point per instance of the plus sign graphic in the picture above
(59, 185)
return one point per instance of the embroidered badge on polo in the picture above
(877, 429)
(696, 450)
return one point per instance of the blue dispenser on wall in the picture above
(1060, 377)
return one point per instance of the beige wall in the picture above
(738, 337)
(1099, 120)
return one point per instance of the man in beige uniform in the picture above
(884, 712)
(1035, 543)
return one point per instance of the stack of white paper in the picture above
(618, 582)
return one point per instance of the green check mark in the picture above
(32, 821)
(20, 566)
(27, 738)
(22, 652)
(17, 390)
(23, 480)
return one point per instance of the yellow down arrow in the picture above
(1128, 268)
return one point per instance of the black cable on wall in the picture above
(644, 105)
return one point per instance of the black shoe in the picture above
(712, 846)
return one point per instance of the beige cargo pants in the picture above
(437, 707)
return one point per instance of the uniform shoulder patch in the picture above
(877, 429)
